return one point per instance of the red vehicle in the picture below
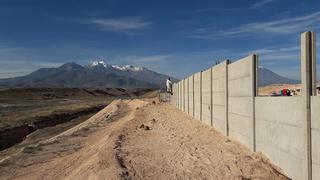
(285, 92)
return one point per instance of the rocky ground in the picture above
(25, 110)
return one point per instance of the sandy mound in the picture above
(137, 139)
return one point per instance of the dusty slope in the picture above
(131, 139)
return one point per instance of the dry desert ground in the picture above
(138, 139)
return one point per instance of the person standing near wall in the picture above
(169, 86)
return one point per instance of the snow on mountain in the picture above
(117, 67)
(128, 68)
(98, 63)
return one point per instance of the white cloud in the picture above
(154, 58)
(124, 25)
(274, 54)
(12, 50)
(279, 27)
(261, 4)
(254, 6)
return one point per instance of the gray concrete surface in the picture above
(279, 132)
(191, 95)
(180, 95)
(186, 95)
(219, 97)
(197, 95)
(285, 129)
(307, 87)
(206, 96)
(315, 136)
(240, 101)
(183, 94)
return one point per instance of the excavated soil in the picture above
(138, 139)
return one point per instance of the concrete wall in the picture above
(240, 101)
(175, 94)
(183, 95)
(186, 95)
(279, 132)
(219, 97)
(285, 129)
(180, 95)
(315, 136)
(206, 97)
(197, 95)
(191, 99)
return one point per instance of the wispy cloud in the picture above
(154, 58)
(254, 6)
(261, 4)
(11, 49)
(122, 25)
(279, 27)
(274, 54)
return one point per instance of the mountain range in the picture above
(101, 74)
(267, 77)
(95, 74)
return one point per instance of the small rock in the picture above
(145, 127)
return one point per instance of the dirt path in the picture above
(134, 139)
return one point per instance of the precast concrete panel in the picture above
(178, 86)
(279, 132)
(240, 100)
(219, 111)
(186, 95)
(175, 94)
(191, 96)
(206, 97)
(197, 96)
(315, 136)
(180, 95)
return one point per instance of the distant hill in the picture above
(96, 74)
(267, 77)
(101, 74)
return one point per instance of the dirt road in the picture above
(136, 139)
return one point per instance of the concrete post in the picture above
(179, 94)
(175, 94)
(180, 97)
(307, 91)
(211, 102)
(183, 91)
(184, 95)
(314, 63)
(255, 88)
(201, 96)
(188, 95)
(193, 95)
(226, 98)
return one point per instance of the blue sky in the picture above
(173, 37)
